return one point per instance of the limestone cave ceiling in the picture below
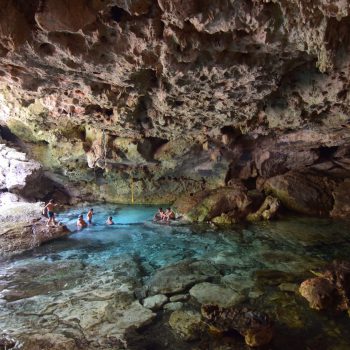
(111, 83)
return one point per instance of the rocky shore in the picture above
(23, 227)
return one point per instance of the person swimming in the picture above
(110, 221)
(169, 215)
(81, 223)
(89, 216)
(159, 215)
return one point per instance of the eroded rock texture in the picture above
(169, 97)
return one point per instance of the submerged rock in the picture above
(256, 328)
(188, 324)
(176, 305)
(181, 276)
(209, 293)
(155, 302)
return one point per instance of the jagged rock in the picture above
(331, 289)
(209, 293)
(304, 193)
(188, 324)
(181, 276)
(256, 328)
(202, 94)
(155, 302)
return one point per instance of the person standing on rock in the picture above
(50, 213)
(89, 216)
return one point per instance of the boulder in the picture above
(256, 327)
(303, 193)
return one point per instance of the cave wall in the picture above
(168, 97)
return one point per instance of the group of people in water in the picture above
(166, 215)
(48, 211)
(81, 223)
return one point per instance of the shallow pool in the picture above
(256, 261)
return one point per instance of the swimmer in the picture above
(110, 221)
(159, 215)
(81, 223)
(169, 215)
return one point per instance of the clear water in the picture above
(256, 259)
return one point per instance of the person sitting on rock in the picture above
(49, 207)
(89, 216)
(169, 215)
(160, 215)
(81, 223)
(110, 221)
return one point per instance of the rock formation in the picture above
(23, 228)
(330, 290)
(161, 98)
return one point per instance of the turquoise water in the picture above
(255, 260)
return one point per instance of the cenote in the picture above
(97, 272)
(235, 114)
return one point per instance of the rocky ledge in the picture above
(22, 226)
